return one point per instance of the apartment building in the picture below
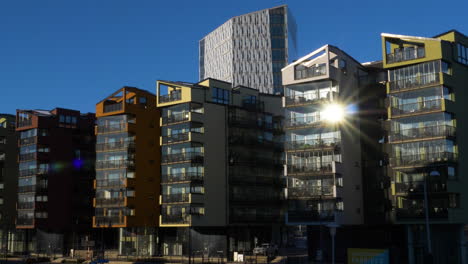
(56, 156)
(127, 172)
(250, 50)
(8, 182)
(426, 120)
(221, 167)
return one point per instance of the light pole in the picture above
(333, 227)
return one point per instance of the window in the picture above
(68, 119)
(43, 132)
(1, 200)
(142, 100)
(3, 140)
(74, 120)
(220, 96)
(2, 186)
(342, 64)
(462, 52)
(446, 68)
(61, 119)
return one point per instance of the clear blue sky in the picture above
(64, 53)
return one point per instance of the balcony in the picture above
(176, 198)
(423, 159)
(113, 107)
(114, 164)
(28, 141)
(26, 205)
(306, 144)
(114, 128)
(311, 170)
(172, 96)
(176, 118)
(406, 54)
(416, 108)
(181, 177)
(423, 132)
(311, 216)
(306, 121)
(256, 218)
(418, 81)
(32, 172)
(103, 147)
(110, 202)
(27, 156)
(108, 221)
(311, 192)
(25, 122)
(418, 187)
(419, 213)
(192, 157)
(25, 221)
(175, 219)
(309, 98)
(26, 189)
(111, 183)
(303, 72)
(175, 138)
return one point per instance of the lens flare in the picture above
(334, 113)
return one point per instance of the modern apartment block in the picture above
(56, 156)
(250, 50)
(127, 171)
(221, 168)
(8, 181)
(426, 94)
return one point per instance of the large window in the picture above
(462, 54)
(220, 96)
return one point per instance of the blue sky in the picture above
(72, 54)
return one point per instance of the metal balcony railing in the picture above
(193, 157)
(27, 156)
(415, 81)
(419, 107)
(110, 183)
(310, 191)
(423, 132)
(28, 141)
(304, 121)
(178, 177)
(26, 205)
(118, 127)
(26, 189)
(32, 172)
(172, 96)
(423, 159)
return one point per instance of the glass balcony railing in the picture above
(28, 141)
(27, 189)
(172, 96)
(26, 205)
(325, 167)
(419, 213)
(32, 172)
(406, 54)
(193, 157)
(418, 187)
(304, 121)
(175, 219)
(310, 192)
(27, 156)
(116, 127)
(114, 164)
(312, 143)
(419, 107)
(303, 72)
(113, 107)
(175, 138)
(176, 198)
(311, 216)
(423, 132)
(180, 177)
(107, 221)
(416, 81)
(176, 118)
(100, 147)
(111, 183)
(24, 221)
(423, 159)
(110, 202)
